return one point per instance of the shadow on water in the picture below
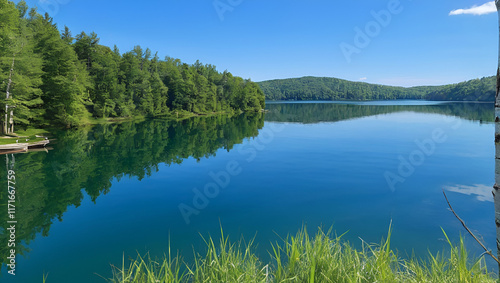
(88, 160)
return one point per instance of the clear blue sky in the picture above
(422, 44)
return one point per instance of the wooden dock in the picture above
(22, 147)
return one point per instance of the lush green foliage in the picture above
(314, 88)
(473, 90)
(58, 79)
(301, 258)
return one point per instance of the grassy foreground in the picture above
(301, 258)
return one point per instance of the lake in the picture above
(119, 190)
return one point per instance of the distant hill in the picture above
(321, 88)
(473, 90)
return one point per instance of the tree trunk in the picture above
(9, 121)
(7, 96)
(496, 187)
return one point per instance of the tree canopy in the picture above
(57, 79)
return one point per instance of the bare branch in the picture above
(468, 230)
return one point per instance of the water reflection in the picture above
(89, 159)
(482, 192)
(332, 112)
(86, 161)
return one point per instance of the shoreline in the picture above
(36, 134)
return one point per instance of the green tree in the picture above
(65, 80)
(27, 74)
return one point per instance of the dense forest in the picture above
(473, 90)
(315, 88)
(87, 161)
(50, 77)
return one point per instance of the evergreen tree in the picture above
(65, 80)
(27, 74)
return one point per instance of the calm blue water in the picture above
(116, 190)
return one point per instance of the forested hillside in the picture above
(478, 89)
(53, 78)
(315, 88)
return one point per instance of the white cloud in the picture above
(363, 79)
(484, 9)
